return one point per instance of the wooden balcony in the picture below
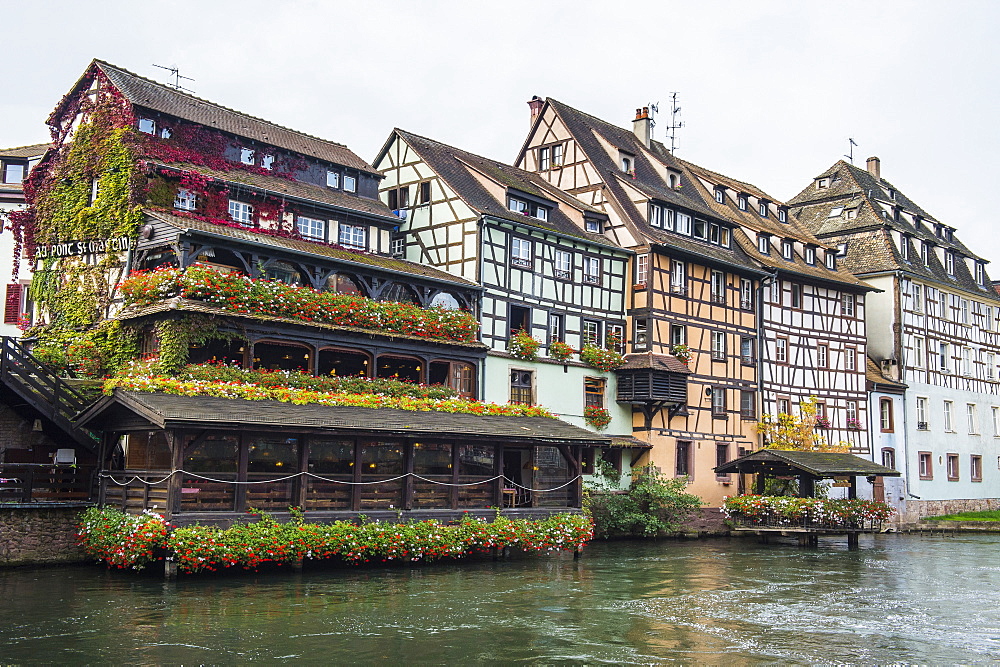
(45, 483)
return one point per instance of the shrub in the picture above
(653, 505)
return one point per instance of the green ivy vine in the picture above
(176, 336)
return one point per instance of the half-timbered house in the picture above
(933, 326)
(685, 310)
(812, 312)
(544, 271)
(188, 232)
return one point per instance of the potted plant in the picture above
(523, 346)
(560, 351)
(599, 418)
(682, 352)
(822, 422)
(605, 360)
(853, 424)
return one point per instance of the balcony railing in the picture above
(775, 520)
(922, 426)
(44, 483)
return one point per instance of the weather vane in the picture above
(176, 73)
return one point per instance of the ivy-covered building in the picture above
(183, 245)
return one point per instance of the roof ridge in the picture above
(47, 144)
(174, 91)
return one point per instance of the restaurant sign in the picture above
(70, 248)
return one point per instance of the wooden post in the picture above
(301, 488)
(455, 462)
(409, 454)
(175, 483)
(759, 485)
(498, 487)
(169, 569)
(852, 490)
(852, 541)
(355, 488)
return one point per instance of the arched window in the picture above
(343, 284)
(408, 369)
(335, 361)
(284, 272)
(445, 300)
(282, 357)
(400, 292)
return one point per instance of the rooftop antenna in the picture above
(675, 124)
(654, 108)
(176, 73)
(850, 155)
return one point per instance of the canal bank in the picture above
(901, 598)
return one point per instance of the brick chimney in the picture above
(642, 126)
(535, 104)
(875, 168)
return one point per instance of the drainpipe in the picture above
(762, 344)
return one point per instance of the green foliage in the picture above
(202, 548)
(560, 351)
(790, 432)
(176, 337)
(987, 515)
(653, 505)
(96, 352)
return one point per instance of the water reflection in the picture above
(899, 598)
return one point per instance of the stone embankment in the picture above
(39, 536)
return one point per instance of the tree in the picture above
(797, 433)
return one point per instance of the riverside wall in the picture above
(909, 516)
(39, 536)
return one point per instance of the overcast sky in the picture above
(769, 91)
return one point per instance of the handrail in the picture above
(43, 389)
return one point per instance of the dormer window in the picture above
(700, 229)
(593, 225)
(655, 215)
(787, 250)
(810, 255)
(166, 133)
(246, 155)
(892, 194)
(350, 183)
(332, 179)
(851, 214)
(517, 206)
(782, 214)
(831, 260)
(916, 222)
(835, 212)
(822, 183)
(267, 162)
(542, 213)
(980, 274)
(949, 262)
(904, 248)
(673, 180)
(13, 172)
(241, 212)
(764, 244)
(724, 236)
(684, 224)
(628, 166)
(763, 208)
(895, 213)
(741, 201)
(147, 126)
(925, 253)
(186, 200)
(720, 195)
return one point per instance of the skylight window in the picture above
(835, 212)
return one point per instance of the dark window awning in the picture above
(127, 410)
(780, 463)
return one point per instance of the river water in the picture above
(899, 598)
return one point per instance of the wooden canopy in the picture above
(820, 465)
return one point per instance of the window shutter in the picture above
(12, 306)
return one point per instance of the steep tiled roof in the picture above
(147, 93)
(870, 245)
(34, 150)
(292, 188)
(308, 247)
(751, 219)
(457, 168)
(164, 409)
(821, 464)
(592, 133)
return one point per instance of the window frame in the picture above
(322, 226)
(718, 341)
(333, 179)
(720, 409)
(517, 248)
(593, 269)
(566, 272)
(886, 416)
(746, 294)
(781, 350)
(925, 465)
(975, 467)
(350, 183)
(352, 232)
(518, 386)
(952, 463)
(243, 208)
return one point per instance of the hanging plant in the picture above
(599, 418)
(601, 359)
(523, 346)
(560, 351)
